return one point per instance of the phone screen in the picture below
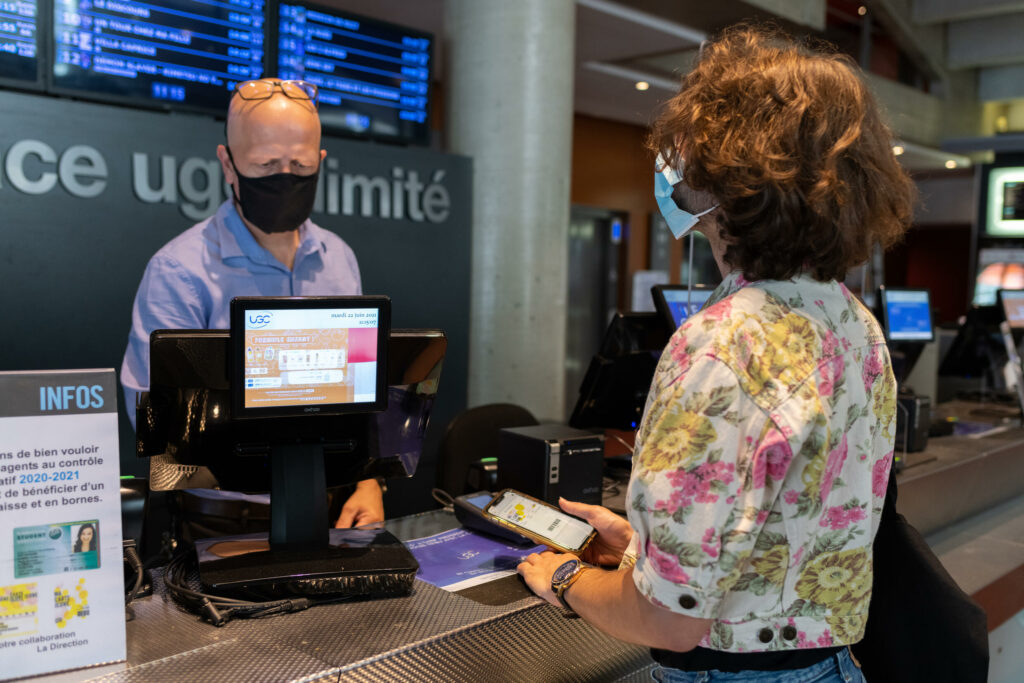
(541, 519)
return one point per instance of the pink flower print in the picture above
(741, 281)
(772, 458)
(839, 517)
(872, 367)
(667, 566)
(718, 312)
(831, 372)
(678, 352)
(829, 343)
(710, 542)
(880, 476)
(796, 556)
(833, 467)
(846, 344)
(825, 640)
(801, 641)
(696, 484)
(762, 515)
(791, 497)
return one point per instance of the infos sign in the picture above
(61, 571)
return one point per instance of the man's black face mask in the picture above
(276, 203)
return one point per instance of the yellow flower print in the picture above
(796, 349)
(840, 581)
(772, 565)
(678, 440)
(883, 402)
(847, 629)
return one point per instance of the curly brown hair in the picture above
(790, 142)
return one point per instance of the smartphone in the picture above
(540, 521)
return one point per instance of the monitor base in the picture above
(356, 563)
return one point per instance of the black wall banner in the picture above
(89, 192)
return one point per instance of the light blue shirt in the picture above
(190, 282)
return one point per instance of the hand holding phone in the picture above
(540, 521)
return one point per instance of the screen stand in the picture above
(302, 556)
(298, 517)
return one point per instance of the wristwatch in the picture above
(565, 575)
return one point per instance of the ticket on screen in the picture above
(56, 548)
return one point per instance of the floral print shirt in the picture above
(761, 465)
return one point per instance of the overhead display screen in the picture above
(374, 77)
(184, 53)
(19, 59)
(1004, 205)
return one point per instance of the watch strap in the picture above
(563, 587)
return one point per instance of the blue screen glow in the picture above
(189, 52)
(18, 58)
(374, 78)
(909, 315)
(676, 300)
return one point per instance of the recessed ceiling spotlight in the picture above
(862, 10)
(642, 85)
(898, 150)
(950, 164)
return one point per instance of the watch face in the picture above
(565, 571)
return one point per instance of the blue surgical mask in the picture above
(679, 221)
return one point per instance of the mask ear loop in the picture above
(689, 277)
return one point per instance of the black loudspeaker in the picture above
(548, 461)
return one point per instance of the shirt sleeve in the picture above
(700, 491)
(167, 298)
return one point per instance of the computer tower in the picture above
(548, 461)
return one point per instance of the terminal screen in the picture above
(1003, 201)
(1013, 307)
(676, 299)
(908, 315)
(18, 46)
(310, 357)
(1013, 200)
(373, 77)
(188, 53)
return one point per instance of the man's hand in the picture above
(613, 532)
(365, 505)
(536, 570)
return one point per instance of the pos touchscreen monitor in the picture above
(906, 315)
(676, 303)
(308, 355)
(1012, 302)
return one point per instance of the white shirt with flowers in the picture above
(761, 465)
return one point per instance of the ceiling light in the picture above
(642, 85)
(862, 10)
(898, 150)
(950, 163)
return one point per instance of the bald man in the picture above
(259, 243)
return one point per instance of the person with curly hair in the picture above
(760, 466)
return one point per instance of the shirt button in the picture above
(687, 601)
(789, 632)
(765, 635)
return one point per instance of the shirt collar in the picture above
(734, 282)
(237, 242)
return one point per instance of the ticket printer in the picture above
(548, 461)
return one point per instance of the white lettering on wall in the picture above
(197, 184)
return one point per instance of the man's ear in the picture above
(225, 164)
